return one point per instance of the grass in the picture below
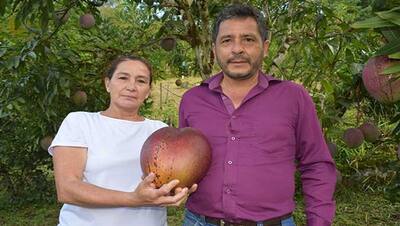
(365, 208)
(41, 214)
(354, 207)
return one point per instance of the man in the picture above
(261, 129)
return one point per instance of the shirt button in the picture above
(230, 162)
(233, 116)
(233, 138)
(228, 191)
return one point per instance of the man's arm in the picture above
(182, 118)
(317, 168)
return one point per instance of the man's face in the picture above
(239, 48)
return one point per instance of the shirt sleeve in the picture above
(182, 118)
(317, 168)
(70, 133)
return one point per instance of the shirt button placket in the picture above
(229, 202)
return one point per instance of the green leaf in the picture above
(2, 52)
(374, 22)
(356, 68)
(44, 18)
(3, 5)
(396, 8)
(327, 86)
(392, 69)
(396, 129)
(32, 55)
(389, 48)
(396, 118)
(392, 16)
(391, 34)
(394, 55)
(13, 62)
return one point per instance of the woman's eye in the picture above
(123, 78)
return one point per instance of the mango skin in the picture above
(172, 153)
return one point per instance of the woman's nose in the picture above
(131, 85)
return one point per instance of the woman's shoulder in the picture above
(156, 123)
(81, 115)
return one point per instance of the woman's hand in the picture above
(147, 193)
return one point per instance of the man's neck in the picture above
(237, 90)
(239, 85)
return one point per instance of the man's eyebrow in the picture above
(225, 36)
(241, 35)
(248, 35)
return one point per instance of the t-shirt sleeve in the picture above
(70, 133)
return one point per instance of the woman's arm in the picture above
(69, 164)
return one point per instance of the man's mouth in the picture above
(237, 61)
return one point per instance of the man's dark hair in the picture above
(114, 64)
(240, 11)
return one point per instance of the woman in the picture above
(96, 157)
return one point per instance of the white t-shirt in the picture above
(113, 162)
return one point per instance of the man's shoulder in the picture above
(293, 84)
(287, 84)
(197, 91)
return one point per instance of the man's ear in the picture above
(266, 47)
(213, 49)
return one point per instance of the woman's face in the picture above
(129, 86)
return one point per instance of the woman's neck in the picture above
(121, 114)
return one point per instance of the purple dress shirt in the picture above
(256, 149)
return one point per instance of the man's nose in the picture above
(237, 47)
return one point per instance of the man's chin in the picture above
(239, 76)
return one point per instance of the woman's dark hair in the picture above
(114, 64)
(240, 11)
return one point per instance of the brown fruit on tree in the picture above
(172, 153)
(178, 82)
(168, 44)
(87, 21)
(370, 131)
(353, 137)
(384, 88)
(79, 98)
(45, 142)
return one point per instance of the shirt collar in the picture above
(214, 83)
